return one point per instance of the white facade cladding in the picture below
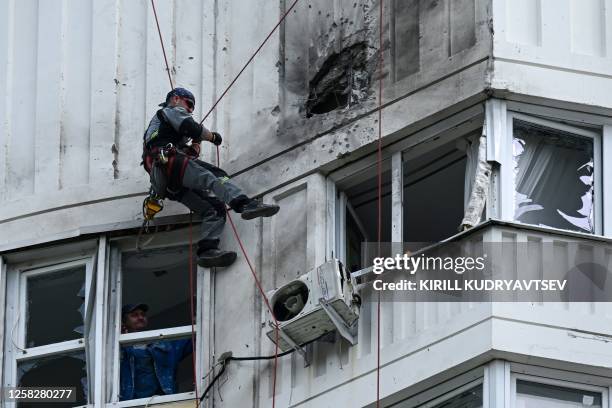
(79, 81)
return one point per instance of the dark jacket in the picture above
(166, 357)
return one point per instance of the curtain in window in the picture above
(553, 173)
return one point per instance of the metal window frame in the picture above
(554, 120)
(605, 391)
(443, 391)
(429, 138)
(119, 246)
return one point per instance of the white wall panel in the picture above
(588, 27)
(21, 137)
(49, 103)
(75, 130)
(555, 49)
(523, 21)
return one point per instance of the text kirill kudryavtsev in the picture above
(459, 265)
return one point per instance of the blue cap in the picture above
(130, 307)
(182, 92)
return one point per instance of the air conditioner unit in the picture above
(316, 303)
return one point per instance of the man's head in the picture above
(180, 97)
(134, 317)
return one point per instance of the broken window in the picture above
(436, 185)
(160, 279)
(49, 296)
(554, 176)
(51, 328)
(63, 370)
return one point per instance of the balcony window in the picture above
(536, 395)
(554, 176)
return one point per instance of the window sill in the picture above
(156, 399)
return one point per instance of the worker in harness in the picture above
(170, 155)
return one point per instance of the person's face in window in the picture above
(135, 321)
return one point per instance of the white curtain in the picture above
(553, 173)
(477, 179)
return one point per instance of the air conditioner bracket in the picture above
(346, 331)
(292, 343)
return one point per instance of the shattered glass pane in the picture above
(160, 279)
(553, 173)
(65, 370)
(156, 368)
(55, 305)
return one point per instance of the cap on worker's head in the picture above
(182, 92)
(130, 307)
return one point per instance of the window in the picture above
(358, 204)
(534, 395)
(154, 344)
(555, 174)
(436, 188)
(428, 181)
(538, 392)
(50, 327)
(462, 391)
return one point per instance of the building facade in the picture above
(80, 80)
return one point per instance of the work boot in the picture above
(215, 257)
(256, 209)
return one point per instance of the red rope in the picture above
(261, 291)
(191, 306)
(257, 282)
(193, 333)
(249, 61)
(162, 45)
(379, 165)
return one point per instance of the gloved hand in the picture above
(192, 151)
(217, 139)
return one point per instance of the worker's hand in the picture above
(192, 151)
(216, 139)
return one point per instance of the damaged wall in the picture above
(72, 136)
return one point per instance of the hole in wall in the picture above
(343, 80)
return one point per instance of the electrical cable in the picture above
(255, 358)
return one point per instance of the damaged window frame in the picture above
(597, 128)
(448, 129)
(27, 264)
(116, 339)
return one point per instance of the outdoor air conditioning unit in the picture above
(316, 303)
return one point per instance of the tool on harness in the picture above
(151, 205)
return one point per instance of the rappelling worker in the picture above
(170, 155)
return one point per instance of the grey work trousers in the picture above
(198, 183)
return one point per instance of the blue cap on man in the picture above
(130, 307)
(182, 92)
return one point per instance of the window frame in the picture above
(514, 376)
(119, 246)
(15, 323)
(446, 130)
(506, 170)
